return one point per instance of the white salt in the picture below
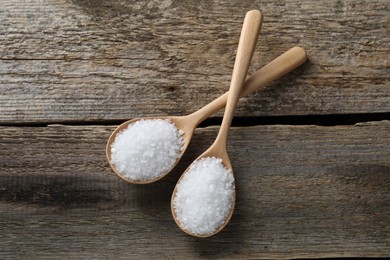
(204, 196)
(146, 149)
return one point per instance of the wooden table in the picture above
(311, 152)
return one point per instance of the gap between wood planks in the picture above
(320, 120)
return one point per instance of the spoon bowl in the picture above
(216, 151)
(182, 123)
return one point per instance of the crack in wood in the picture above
(319, 120)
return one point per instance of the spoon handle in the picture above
(285, 63)
(246, 46)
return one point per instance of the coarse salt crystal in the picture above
(147, 149)
(204, 196)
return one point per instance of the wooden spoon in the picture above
(248, 39)
(280, 66)
(246, 47)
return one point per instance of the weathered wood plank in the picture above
(63, 60)
(52, 91)
(303, 191)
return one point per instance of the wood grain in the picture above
(84, 60)
(302, 191)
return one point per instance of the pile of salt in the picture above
(146, 149)
(204, 196)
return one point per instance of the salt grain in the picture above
(147, 149)
(204, 196)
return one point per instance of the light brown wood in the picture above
(302, 192)
(246, 46)
(282, 65)
(279, 67)
(83, 61)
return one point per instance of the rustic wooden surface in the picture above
(101, 60)
(302, 191)
(59, 197)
